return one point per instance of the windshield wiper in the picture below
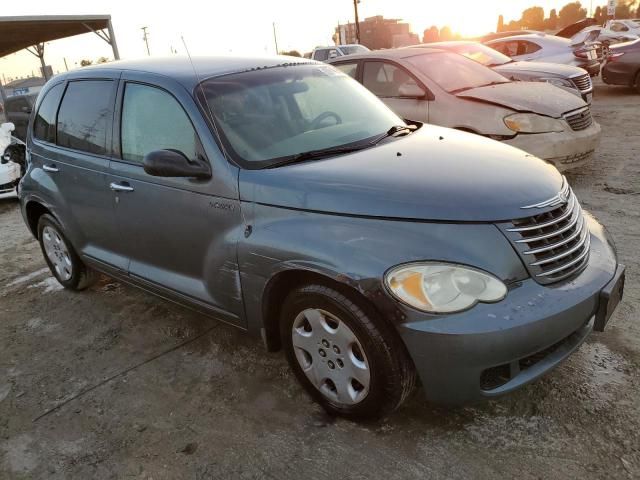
(394, 131)
(328, 152)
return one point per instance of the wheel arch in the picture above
(279, 286)
(33, 211)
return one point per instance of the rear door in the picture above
(392, 83)
(180, 234)
(72, 146)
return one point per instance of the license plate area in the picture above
(610, 297)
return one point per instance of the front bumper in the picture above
(530, 332)
(565, 150)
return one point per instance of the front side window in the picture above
(152, 119)
(268, 116)
(385, 79)
(455, 73)
(528, 47)
(85, 116)
(44, 125)
(348, 68)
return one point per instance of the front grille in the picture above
(553, 245)
(583, 82)
(579, 119)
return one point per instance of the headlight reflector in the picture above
(559, 82)
(532, 123)
(443, 288)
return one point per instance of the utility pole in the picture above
(145, 37)
(355, 8)
(275, 38)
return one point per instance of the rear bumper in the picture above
(568, 149)
(529, 333)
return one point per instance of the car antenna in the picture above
(215, 128)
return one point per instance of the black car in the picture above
(623, 65)
(17, 110)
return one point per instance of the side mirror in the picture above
(173, 163)
(411, 90)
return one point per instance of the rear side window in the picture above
(44, 125)
(528, 47)
(385, 79)
(85, 116)
(348, 68)
(152, 119)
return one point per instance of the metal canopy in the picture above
(19, 33)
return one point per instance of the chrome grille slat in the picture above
(559, 244)
(587, 244)
(549, 223)
(553, 244)
(566, 253)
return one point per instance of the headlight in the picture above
(532, 123)
(559, 82)
(443, 288)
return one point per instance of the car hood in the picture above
(536, 97)
(435, 174)
(539, 68)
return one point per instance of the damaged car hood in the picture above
(533, 97)
(435, 173)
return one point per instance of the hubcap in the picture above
(57, 253)
(331, 356)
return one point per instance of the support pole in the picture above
(112, 41)
(40, 50)
(355, 8)
(275, 38)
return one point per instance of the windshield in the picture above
(352, 49)
(481, 54)
(455, 73)
(267, 116)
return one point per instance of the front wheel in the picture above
(60, 256)
(349, 360)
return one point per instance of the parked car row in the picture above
(443, 88)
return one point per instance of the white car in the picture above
(580, 50)
(629, 26)
(10, 171)
(443, 88)
(322, 54)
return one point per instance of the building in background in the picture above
(24, 86)
(376, 33)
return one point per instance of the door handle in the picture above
(50, 168)
(120, 187)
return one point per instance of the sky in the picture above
(223, 27)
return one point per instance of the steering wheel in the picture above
(317, 122)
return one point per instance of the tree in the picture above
(571, 13)
(551, 23)
(446, 34)
(291, 53)
(103, 60)
(431, 35)
(85, 62)
(600, 15)
(500, 27)
(533, 18)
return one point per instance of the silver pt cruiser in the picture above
(285, 199)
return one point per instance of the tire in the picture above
(314, 318)
(62, 259)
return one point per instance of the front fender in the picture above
(358, 251)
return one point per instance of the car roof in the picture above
(540, 37)
(390, 54)
(184, 69)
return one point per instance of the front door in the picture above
(390, 82)
(179, 235)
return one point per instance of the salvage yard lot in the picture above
(116, 383)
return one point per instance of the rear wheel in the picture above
(350, 362)
(60, 256)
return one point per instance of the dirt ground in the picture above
(115, 383)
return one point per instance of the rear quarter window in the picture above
(85, 116)
(44, 125)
